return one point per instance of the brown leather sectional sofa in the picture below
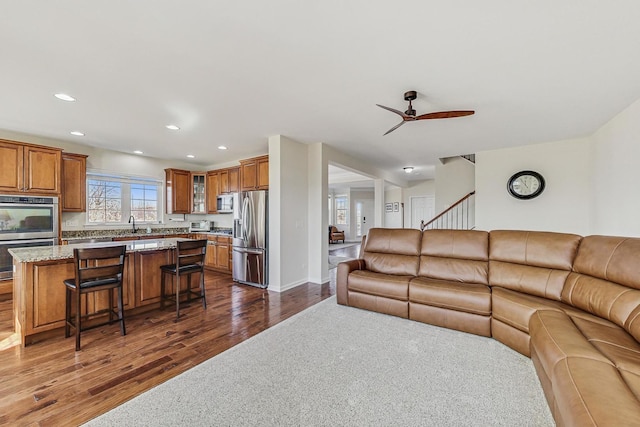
(571, 303)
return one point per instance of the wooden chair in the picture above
(96, 269)
(189, 259)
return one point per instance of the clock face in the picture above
(526, 185)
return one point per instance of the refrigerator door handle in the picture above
(248, 251)
(245, 214)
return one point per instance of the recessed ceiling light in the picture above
(191, 156)
(137, 152)
(64, 97)
(408, 169)
(222, 147)
(172, 127)
(76, 133)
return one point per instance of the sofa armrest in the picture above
(342, 276)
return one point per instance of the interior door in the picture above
(364, 216)
(422, 208)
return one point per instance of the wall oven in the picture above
(25, 221)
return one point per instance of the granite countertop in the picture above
(59, 252)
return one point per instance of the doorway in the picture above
(422, 208)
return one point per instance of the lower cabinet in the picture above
(218, 255)
(39, 289)
(147, 275)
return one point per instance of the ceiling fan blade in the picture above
(395, 127)
(393, 110)
(445, 114)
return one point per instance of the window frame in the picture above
(337, 202)
(126, 203)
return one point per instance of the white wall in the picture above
(615, 163)
(454, 180)
(564, 206)
(393, 219)
(288, 213)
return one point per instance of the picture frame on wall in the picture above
(388, 207)
(396, 206)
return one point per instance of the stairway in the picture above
(458, 216)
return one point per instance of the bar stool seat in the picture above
(190, 256)
(96, 269)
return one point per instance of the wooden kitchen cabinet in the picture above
(198, 193)
(27, 168)
(178, 191)
(74, 182)
(218, 253)
(147, 275)
(212, 191)
(254, 174)
(234, 180)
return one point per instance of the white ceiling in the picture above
(235, 73)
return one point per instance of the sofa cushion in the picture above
(533, 262)
(455, 255)
(606, 280)
(555, 337)
(379, 284)
(393, 251)
(589, 392)
(468, 297)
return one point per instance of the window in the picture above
(342, 211)
(112, 199)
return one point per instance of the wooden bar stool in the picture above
(96, 269)
(189, 259)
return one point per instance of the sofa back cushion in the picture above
(455, 255)
(393, 251)
(606, 280)
(533, 262)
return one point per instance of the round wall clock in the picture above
(525, 185)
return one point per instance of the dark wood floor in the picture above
(48, 383)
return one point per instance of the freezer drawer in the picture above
(249, 266)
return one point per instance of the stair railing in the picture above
(458, 216)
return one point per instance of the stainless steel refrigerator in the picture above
(250, 238)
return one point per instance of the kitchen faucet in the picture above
(134, 229)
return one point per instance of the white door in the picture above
(364, 217)
(422, 208)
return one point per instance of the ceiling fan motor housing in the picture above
(410, 96)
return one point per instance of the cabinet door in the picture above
(11, 166)
(234, 180)
(222, 253)
(74, 182)
(48, 300)
(263, 174)
(148, 275)
(212, 192)
(210, 258)
(248, 175)
(178, 187)
(198, 194)
(223, 181)
(42, 169)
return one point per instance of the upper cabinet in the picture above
(74, 182)
(198, 193)
(254, 173)
(27, 168)
(229, 180)
(213, 189)
(178, 186)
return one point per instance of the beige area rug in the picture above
(332, 365)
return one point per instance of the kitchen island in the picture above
(39, 294)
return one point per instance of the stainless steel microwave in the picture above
(225, 203)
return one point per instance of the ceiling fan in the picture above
(410, 114)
